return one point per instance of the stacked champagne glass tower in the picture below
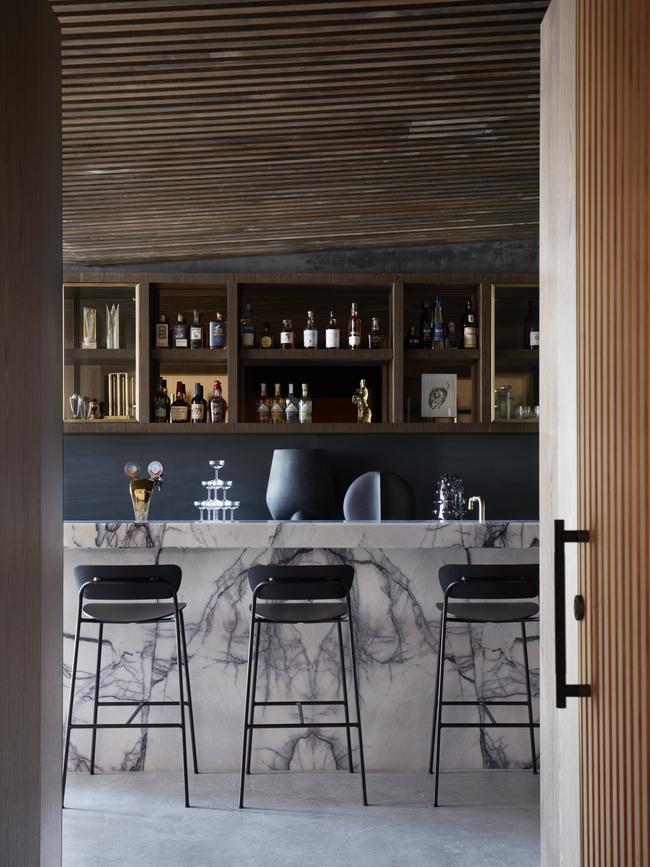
(217, 503)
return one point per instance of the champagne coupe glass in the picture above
(199, 504)
(225, 502)
(234, 504)
(216, 466)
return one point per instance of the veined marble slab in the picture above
(321, 534)
(396, 627)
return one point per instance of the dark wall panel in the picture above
(502, 468)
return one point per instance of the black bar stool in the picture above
(300, 594)
(131, 594)
(502, 591)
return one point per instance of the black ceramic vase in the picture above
(301, 486)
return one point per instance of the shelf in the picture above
(190, 355)
(516, 357)
(317, 356)
(98, 356)
(446, 356)
(108, 426)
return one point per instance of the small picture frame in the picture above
(439, 395)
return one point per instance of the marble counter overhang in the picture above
(300, 535)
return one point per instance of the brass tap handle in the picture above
(479, 502)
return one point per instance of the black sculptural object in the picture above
(301, 486)
(377, 496)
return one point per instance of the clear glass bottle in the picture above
(437, 325)
(375, 337)
(277, 406)
(310, 334)
(179, 410)
(180, 333)
(161, 402)
(305, 406)
(162, 333)
(332, 333)
(196, 332)
(263, 405)
(247, 328)
(425, 336)
(470, 327)
(287, 340)
(198, 407)
(291, 407)
(266, 340)
(218, 333)
(218, 406)
(354, 328)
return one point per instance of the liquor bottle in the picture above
(180, 333)
(277, 406)
(310, 333)
(162, 333)
(179, 410)
(332, 333)
(291, 407)
(218, 406)
(161, 402)
(451, 340)
(437, 326)
(531, 327)
(247, 328)
(470, 327)
(412, 341)
(266, 337)
(354, 328)
(218, 336)
(425, 326)
(198, 407)
(196, 332)
(304, 406)
(263, 405)
(375, 337)
(287, 340)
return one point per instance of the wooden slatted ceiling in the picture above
(193, 129)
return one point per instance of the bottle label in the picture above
(162, 336)
(196, 334)
(266, 341)
(310, 338)
(180, 342)
(160, 413)
(438, 331)
(277, 413)
(198, 412)
(216, 412)
(534, 339)
(291, 413)
(470, 337)
(304, 413)
(248, 337)
(286, 338)
(332, 338)
(217, 335)
(179, 413)
(263, 412)
(354, 340)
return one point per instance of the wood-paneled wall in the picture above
(30, 437)
(613, 88)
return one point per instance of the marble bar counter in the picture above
(397, 627)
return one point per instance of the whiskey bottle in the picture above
(263, 405)
(412, 341)
(179, 410)
(162, 333)
(218, 406)
(354, 328)
(217, 339)
(451, 340)
(161, 402)
(332, 333)
(247, 328)
(375, 337)
(291, 407)
(437, 326)
(277, 406)
(305, 406)
(196, 332)
(470, 327)
(425, 326)
(180, 333)
(198, 406)
(266, 340)
(286, 335)
(310, 333)
(531, 327)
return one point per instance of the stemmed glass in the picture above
(216, 466)
(234, 504)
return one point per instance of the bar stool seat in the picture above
(130, 612)
(296, 612)
(490, 612)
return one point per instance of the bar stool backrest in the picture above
(301, 582)
(129, 582)
(491, 582)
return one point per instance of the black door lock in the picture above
(579, 607)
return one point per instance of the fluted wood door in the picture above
(597, 127)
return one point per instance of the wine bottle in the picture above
(218, 406)
(438, 328)
(332, 333)
(470, 327)
(180, 333)
(305, 406)
(161, 402)
(179, 410)
(310, 333)
(247, 328)
(277, 406)
(425, 326)
(286, 335)
(263, 405)
(354, 328)
(198, 406)
(531, 327)
(291, 407)
(196, 332)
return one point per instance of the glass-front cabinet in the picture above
(515, 353)
(100, 353)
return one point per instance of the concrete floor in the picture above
(488, 819)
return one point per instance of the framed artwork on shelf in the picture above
(439, 395)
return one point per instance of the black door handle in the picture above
(562, 688)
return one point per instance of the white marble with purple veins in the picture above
(396, 620)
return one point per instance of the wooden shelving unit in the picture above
(393, 372)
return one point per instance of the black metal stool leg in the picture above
(100, 640)
(242, 777)
(531, 726)
(179, 652)
(346, 706)
(441, 682)
(190, 706)
(73, 681)
(435, 698)
(251, 720)
(353, 654)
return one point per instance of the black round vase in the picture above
(301, 486)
